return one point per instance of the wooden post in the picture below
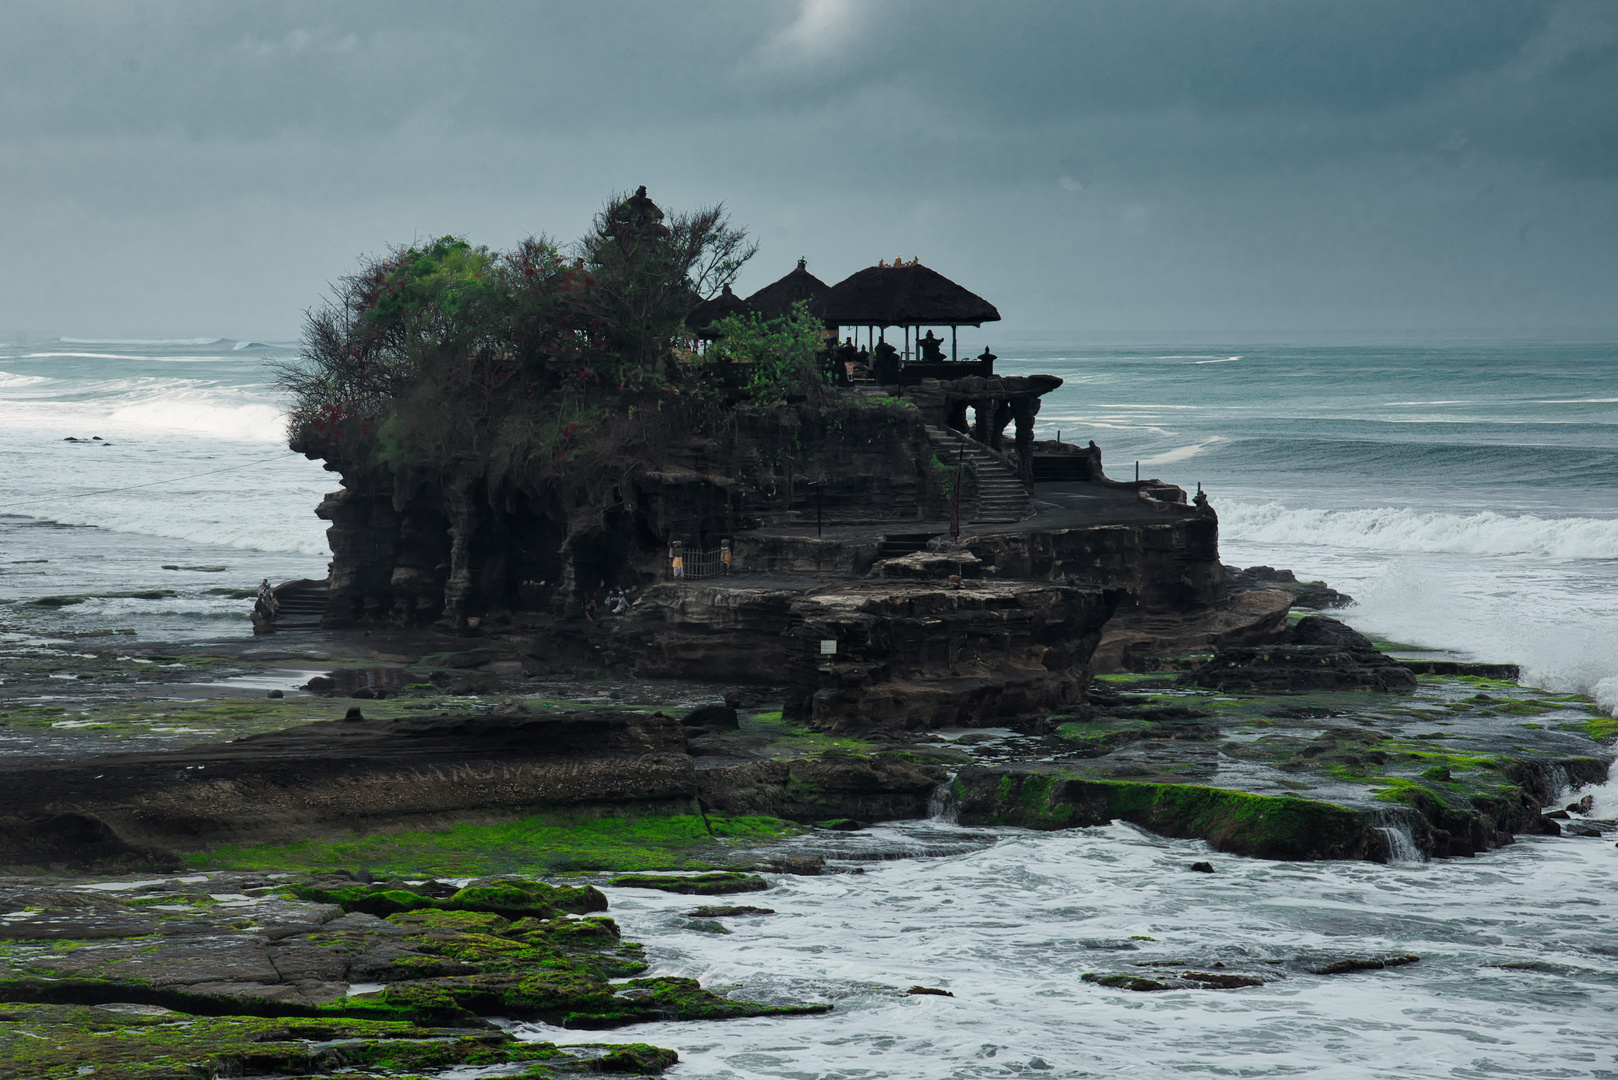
(954, 350)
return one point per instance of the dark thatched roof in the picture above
(776, 299)
(909, 295)
(705, 314)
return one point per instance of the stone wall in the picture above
(411, 550)
(1168, 566)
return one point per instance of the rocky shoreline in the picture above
(272, 874)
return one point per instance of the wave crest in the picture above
(1400, 529)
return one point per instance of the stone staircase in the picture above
(1001, 495)
(302, 605)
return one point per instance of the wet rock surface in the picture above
(315, 975)
(875, 787)
(1316, 654)
(1454, 766)
(1305, 594)
(338, 774)
(1234, 971)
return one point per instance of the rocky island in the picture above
(636, 583)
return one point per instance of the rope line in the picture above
(154, 483)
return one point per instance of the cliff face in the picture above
(1167, 566)
(411, 549)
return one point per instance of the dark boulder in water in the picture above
(714, 883)
(712, 718)
(1318, 654)
(1305, 594)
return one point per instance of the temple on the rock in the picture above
(881, 543)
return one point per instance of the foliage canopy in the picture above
(547, 360)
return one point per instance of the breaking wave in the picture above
(1399, 529)
(141, 341)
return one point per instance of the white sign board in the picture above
(828, 648)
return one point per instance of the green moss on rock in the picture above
(711, 884)
(1233, 821)
(121, 1042)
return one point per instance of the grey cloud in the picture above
(1086, 163)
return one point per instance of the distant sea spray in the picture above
(1402, 529)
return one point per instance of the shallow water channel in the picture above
(1009, 920)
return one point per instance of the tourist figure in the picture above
(847, 356)
(590, 607)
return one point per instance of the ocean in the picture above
(1462, 493)
(118, 458)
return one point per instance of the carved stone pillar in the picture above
(983, 420)
(1002, 417)
(1023, 410)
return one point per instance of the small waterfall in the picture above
(942, 805)
(1394, 825)
(1559, 784)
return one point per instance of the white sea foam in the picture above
(141, 341)
(9, 380)
(1400, 529)
(1604, 797)
(203, 415)
(1181, 453)
(80, 356)
(1010, 930)
(145, 405)
(1225, 360)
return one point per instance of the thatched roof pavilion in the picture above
(776, 299)
(904, 295)
(705, 314)
(908, 295)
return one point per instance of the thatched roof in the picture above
(636, 216)
(705, 314)
(776, 299)
(909, 295)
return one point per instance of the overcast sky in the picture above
(1223, 169)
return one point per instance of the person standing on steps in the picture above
(267, 600)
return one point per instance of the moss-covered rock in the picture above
(267, 957)
(711, 884)
(134, 1042)
(512, 898)
(1259, 825)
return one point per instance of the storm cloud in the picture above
(1171, 168)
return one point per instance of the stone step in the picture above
(1002, 497)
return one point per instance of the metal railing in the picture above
(692, 563)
